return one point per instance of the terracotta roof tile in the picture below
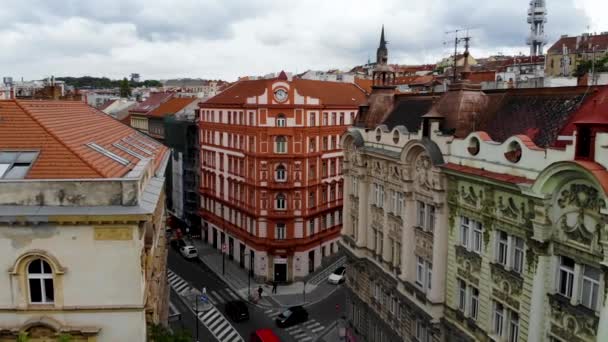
(171, 106)
(152, 102)
(60, 130)
(329, 93)
(584, 44)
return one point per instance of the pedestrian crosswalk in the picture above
(303, 332)
(213, 319)
(323, 275)
(178, 284)
(219, 326)
(222, 296)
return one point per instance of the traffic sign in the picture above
(204, 299)
(204, 290)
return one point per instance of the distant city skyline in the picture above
(227, 39)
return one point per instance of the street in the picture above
(216, 327)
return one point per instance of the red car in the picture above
(263, 335)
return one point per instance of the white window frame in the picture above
(498, 318)
(281, 231)
(462, 295)
(281, 121)
(568, 273)
(39, 280)
(280, 144)
(281, 202)
(513, 331)
(502, 248)
(470, 235)
(281, 173)
(593, 284)
(517, 261)
(400, 203)
(473, 302)
(420, 213)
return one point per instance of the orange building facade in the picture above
(271, 172)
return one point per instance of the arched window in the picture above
(281, 144)
(281, 173)
(281, 121)
(281, 202)
(40, 281)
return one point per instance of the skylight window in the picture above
(128, 150)
(15, 165)
(108, 154)
(133, 143)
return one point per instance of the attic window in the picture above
(513, 153)
(473, 146)
(108, 154)
(15, 165)
(378, 134)
(396, 137)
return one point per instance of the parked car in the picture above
(292, 316)
(263, 335)
(237, 310)
(189, 252)
(338, 276)
(177, 244)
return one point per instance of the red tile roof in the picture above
(60, 130)
(482, 76)
(364, 84)
(502, 177)
(171, 107)
(593, 111)
(584, 45)
(151, 103)
(415, 80)
(329, 93)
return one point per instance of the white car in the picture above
(338, 277)
(188, 252)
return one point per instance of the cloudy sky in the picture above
(230, 38)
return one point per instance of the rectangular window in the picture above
(566, 277)
(513, 326)
(462, 295)
(518, 254)
(421, 332)
(400, 202)
(281, 231)
(312, 119)
(474, 307)
(420, 271)
(477, 237)
(591, 286)
(498, 317)
(430, 221)
(421, 214)
(311, 145)
(502, 245)
(325, 120)
(429, 275)
(311, 227)
(324, 143)
(464, 231)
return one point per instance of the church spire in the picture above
(382, 52)
(382, 40)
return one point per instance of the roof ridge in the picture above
(25, 110)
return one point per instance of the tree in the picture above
(125, 88)
(159, 333)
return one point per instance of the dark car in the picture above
(292, 316)
(176, 244)
(237, 310)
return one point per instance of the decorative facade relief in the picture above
(580, 219)
(422, 172)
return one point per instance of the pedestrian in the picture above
(260, 290)
(274, 286)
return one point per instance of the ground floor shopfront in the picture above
(284, 265)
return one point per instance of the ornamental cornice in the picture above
(509, 282)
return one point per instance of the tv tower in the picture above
(537, 17)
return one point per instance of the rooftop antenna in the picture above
(457, 41)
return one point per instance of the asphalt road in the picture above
(196, 273)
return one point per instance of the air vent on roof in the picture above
(128, 150)
(108, 153)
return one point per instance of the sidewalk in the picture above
(237, 278)
(332, 333)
